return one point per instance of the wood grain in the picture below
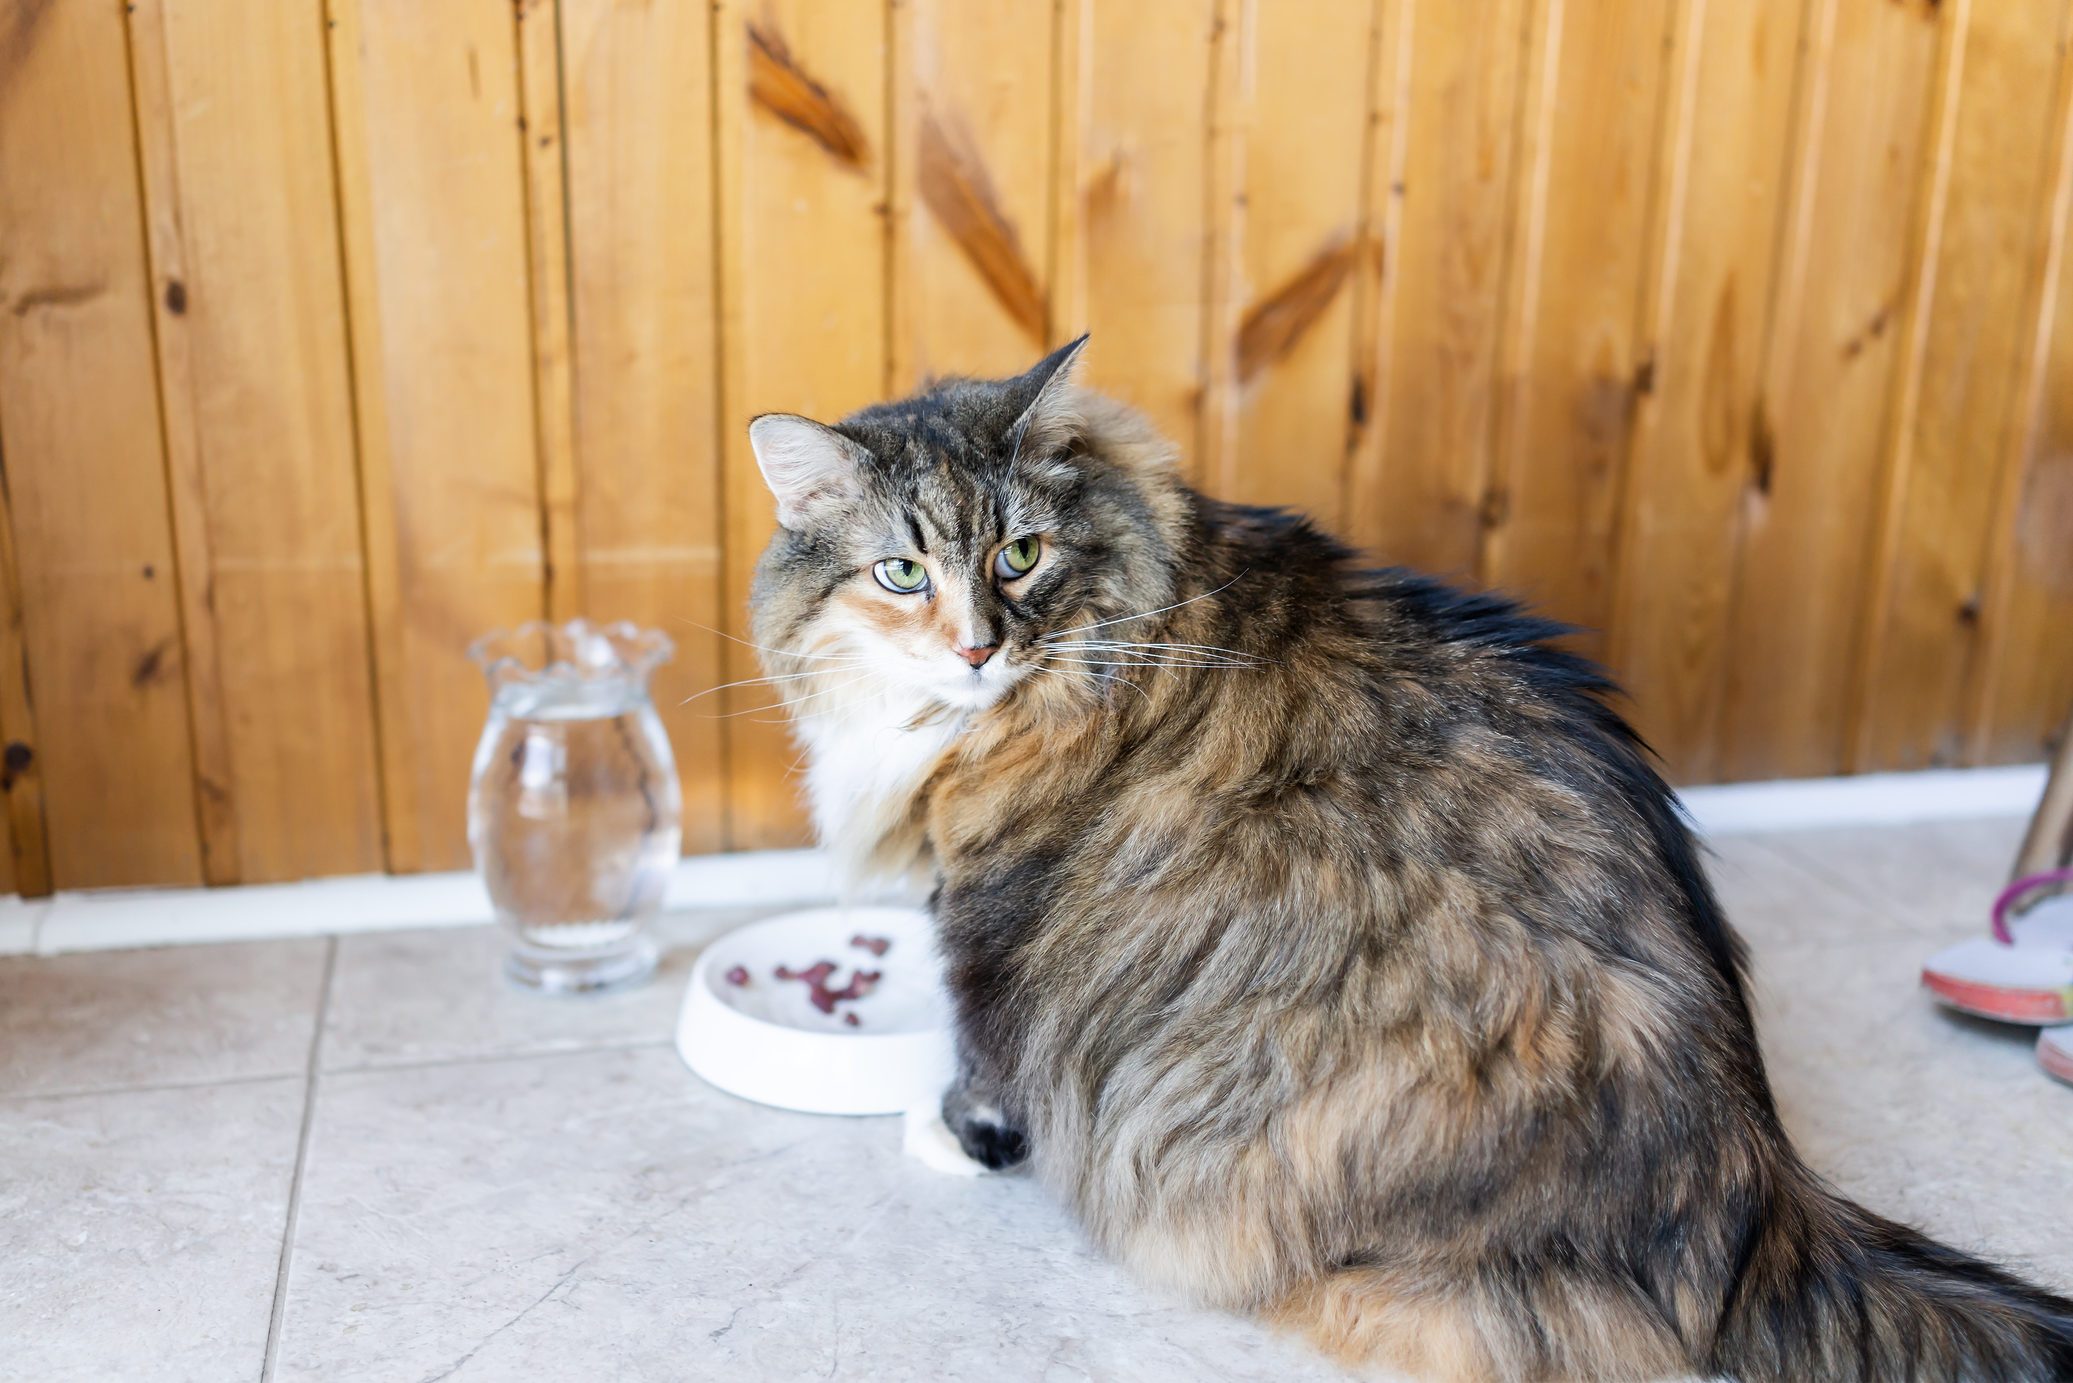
(432, 201)
(542, 130)
(1132, 252)
(1830, 387)
(21, 772)
(803, 253)
(1725, 164)
(85, 461)
(1302, 156)
(781, 86)
(1226, 109)
(1977, 334)
(647, 443)
(2022, 680)
(338, 332)
(1420, 471)
(971, 188)
(1578, 360)
(251, 336)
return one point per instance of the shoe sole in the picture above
(2045, 1006)
(2056, 1061)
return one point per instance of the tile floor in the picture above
(364, 1158)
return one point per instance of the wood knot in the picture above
(779, 85)
(1495, 508)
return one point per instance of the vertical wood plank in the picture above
(1726, 155)
(1829, 388)
(151, 84)
(1302, 119)
(1421, 467)
(801, 94)
(971, 188)
(1375, 279)
(85, 460)
(542, 127)
(8, 884)
(2028, 680)
(252, 357)
(1977, 332)
(2022, 680)
(646, 460)
(21, 772)
(1225, 110)
(1131, 244)
(426, 110)
(1578, 360)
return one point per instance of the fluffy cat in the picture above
(1318, 933)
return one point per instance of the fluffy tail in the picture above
(1811, 1288)
(1826, 1289)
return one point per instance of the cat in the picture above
(1319, 934)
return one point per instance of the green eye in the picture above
(901, 575)
(1017, 558)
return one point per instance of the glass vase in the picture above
(574, 813)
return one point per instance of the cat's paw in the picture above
(988, 1141)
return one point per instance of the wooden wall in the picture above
(335, 332)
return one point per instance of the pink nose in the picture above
(978, 654)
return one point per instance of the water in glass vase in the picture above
(573, 810)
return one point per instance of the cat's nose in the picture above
(977, 654)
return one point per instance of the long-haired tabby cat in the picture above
(1318, 933)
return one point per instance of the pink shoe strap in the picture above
(2029, 883)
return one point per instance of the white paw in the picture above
(928, 1140)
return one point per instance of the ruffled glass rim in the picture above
(539, 651)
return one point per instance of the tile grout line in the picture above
(80, 1092)
(634, 1044)
(433, 1063)
(311, 1074)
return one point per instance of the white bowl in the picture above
(765, 1041)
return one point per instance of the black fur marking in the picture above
(992, 1146)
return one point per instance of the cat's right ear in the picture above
(804, 464)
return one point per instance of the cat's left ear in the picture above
(804, 464)
(1051, 416)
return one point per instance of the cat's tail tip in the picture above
(1836, 1291)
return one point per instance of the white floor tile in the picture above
(605, 1215)
(140, 1232)
(176, 1016)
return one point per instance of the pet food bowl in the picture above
(762, 1038)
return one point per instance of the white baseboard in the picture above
(104, 919)
(19, 919)
(1868, 799)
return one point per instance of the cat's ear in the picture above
(803, 463)
(1051, 416)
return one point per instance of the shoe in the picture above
(2023, 973)
(2055, 1052)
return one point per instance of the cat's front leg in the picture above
(975, 1111)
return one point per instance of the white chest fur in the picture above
(864, 764)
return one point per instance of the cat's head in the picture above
(937, 547)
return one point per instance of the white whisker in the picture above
(1150, 655)
(1150, 662)
(1109, 679)
(794, 703)
(765, 648)
(1186, 647)
(754, 681)
(1111, 676)
(1131, 655)
(1125, 619)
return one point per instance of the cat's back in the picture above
(1384, 735)
(1340, 725)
